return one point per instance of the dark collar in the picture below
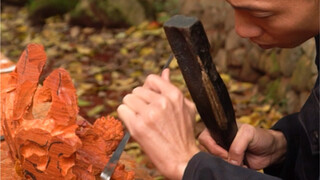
(317, 49)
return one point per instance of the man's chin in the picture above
(269, 46)
(263, 46)
(266, 46)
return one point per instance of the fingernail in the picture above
(234, 162)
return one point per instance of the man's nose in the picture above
(246, 27)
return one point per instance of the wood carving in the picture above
(46, 137)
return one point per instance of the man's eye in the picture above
(261, 14)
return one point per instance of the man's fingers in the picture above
(163, 87)
(145, 94)
(166, 74)
(126, 115)
(206, 140)
(190, 105)
(240, 144)
(158, 84)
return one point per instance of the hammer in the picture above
(190, 46)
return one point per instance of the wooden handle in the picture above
(191, 48)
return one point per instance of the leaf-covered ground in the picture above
(105, 64)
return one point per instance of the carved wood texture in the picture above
(46, 137)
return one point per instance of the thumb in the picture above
(210, 144)
(165, 75)
(240, 144)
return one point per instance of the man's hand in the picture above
(260, 147)
(161, 120)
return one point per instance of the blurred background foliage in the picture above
(110, 46)
(99, 13)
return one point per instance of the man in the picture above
(162, 120)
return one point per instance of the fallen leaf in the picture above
(146, 51)
(95, 111)
(84, 50)
(83, 103)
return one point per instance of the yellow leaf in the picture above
(113, 113)
(75, 68)
(112, 103)
(154, 32)
(84, 50)
(121, 35)
(83, 103)
(52, 51)
(74, 31)
(226, 78)
(136, 60)
(150, 65)
(65, 46)
(110, 41)
(95, 69)
(136, 74)
(174, 64)
(146, 51)
(177, 78)
(96, 110)
(132, 145)
(99, 78)
(137, 34)
(143, 25)
(22, 29)
(96, 39)
(130, 30)
(133, 45)
(88, 30)
(198, 118)
(123, 84)
(124, 51)
(256, 118)
(115, 75)
(264, 108)
(245, 119)
(83, 87)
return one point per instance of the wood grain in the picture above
(44, 135)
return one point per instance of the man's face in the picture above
(276, 23)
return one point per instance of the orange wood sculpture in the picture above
(46, 137)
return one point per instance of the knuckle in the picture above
(247, 129)
(152, 114)
(163, 102)
(137, 90)
(201, 139)
(204, 138)
(120, 108)
(137, 129)
(127, 98)
(203, 135)
(176, 95)
(151, 77)
(246, 126)
(237, 152)
(192, 107)
(134, 133)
